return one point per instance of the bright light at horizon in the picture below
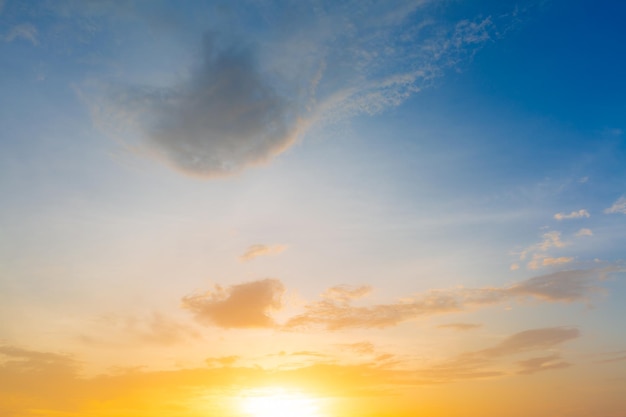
(279, 402)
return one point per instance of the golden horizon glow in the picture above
(279, 402)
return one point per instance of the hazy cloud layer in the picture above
(542, 363)
(480, 363)
(119, 330)
(460, 326)
(255, 251)
(240, 306)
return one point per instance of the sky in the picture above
(318, 208)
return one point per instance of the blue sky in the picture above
(441, 182)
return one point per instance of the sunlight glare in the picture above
(279, 402)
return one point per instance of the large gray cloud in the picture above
(223, 117)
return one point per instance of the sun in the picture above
(279, 402)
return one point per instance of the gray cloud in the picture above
(240, 306)
(224, 117)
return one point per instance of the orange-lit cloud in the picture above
(239, 306)
(255, 251)
(339, 312)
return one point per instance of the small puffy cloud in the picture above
(514, 267)
(24, 31)
(542, 363)
(239, 306)
(460, 326)
(573, 215)
(584, 232)
(618, 207)
(261, 250)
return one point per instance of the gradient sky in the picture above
(315, 208)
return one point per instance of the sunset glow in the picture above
(312, 208)
(278, 402)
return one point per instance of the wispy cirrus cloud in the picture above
(618, 207)
(254, 251)
(25, 31)
(573, 215)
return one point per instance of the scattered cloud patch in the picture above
(339, 313)
(618, 207)
(239, 306)
(556, 261)
(537, 252)
(255, 251)
(584, 232)
(573, 215)
(514, 267)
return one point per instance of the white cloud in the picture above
(618, 207)
(573, 215)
